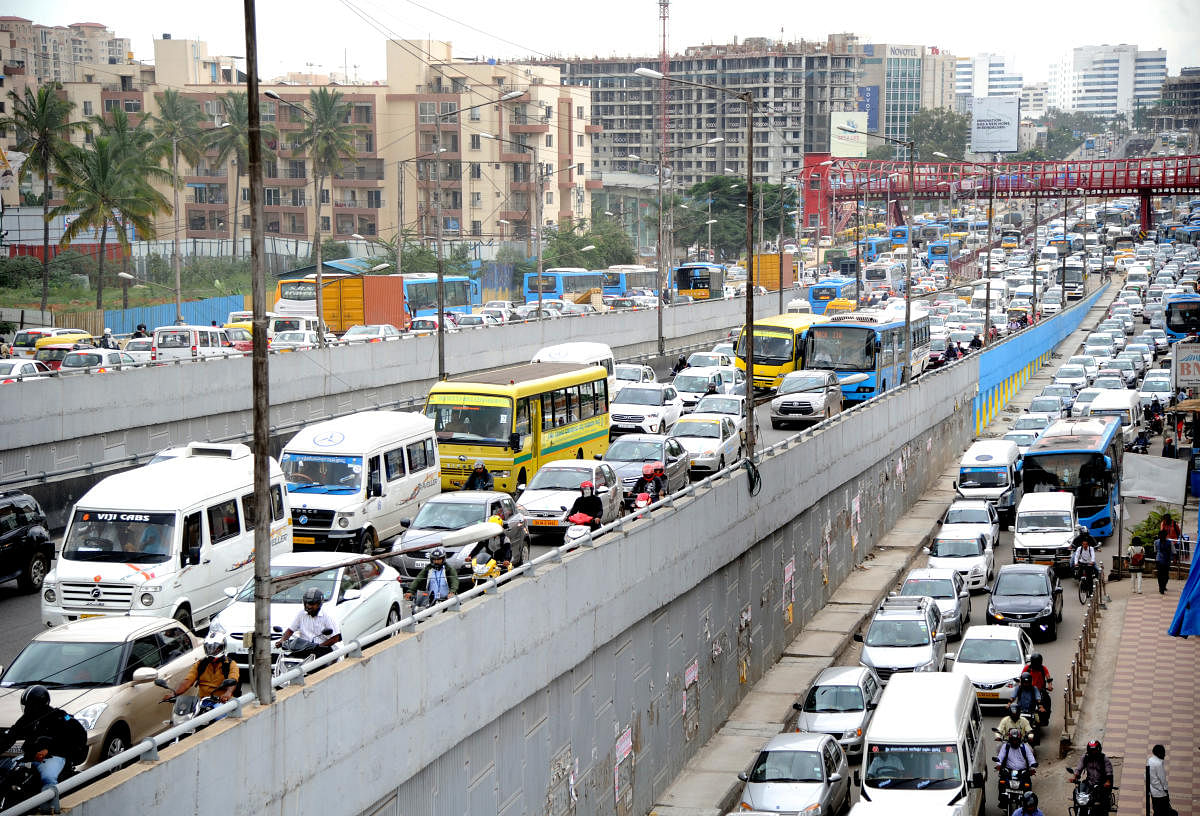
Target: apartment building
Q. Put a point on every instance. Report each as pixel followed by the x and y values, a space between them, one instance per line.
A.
pixel 61 53
pixel 1033 100
pixel 1107 80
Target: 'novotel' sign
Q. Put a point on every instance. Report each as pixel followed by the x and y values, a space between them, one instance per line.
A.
pixel 910 51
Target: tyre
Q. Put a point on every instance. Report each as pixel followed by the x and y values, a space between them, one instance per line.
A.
pixel 662 427
pixel 115 741
pixel 365 543
pixel 393 615
pixel 721 464
pixel 776 424
pixel 184 615
pixel 1084 592
pixel 34 574
pixel 1052 630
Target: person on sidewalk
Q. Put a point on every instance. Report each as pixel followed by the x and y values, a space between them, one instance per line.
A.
pixel 1160 801
pixel 1137 555
pixel 1168 448
pixel 1162 560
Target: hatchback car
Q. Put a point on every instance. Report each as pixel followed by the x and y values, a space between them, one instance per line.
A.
pixel 101 671
pixel 710 359
pixel 1022 439
pixel 967 518
pixel 1090 364
pixel 1028 596
pixel 372 333
pixel 970 557
pixel 992 658
pixel 806 396
pixel 798 773
pixel 711 440
pixel 1110 379
pixel 645 408
pixel 840 703
pixel 627 454
pixel 947 588
pixel 95 360
pixel 1075 376
pixel 1128 371
pixel 26 549
pixel 556 485
pixel 730 405
pixel 443 521
pixel 1154 387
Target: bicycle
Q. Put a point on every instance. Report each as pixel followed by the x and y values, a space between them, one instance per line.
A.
pixel 1087 583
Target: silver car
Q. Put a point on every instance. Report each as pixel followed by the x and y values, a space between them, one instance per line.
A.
pixel 795 772
pixel 841 703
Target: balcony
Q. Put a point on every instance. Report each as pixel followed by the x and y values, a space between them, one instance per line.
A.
pixel 593 128
pixel 358 203
pixel 529 127
pixel 208 172
pixel 594 181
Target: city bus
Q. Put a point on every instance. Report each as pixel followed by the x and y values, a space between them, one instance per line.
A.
pixel 899 236
pixel 823 291
pixel 868 342
pixel 518 418
pixel 942 251
pixel 874 246
pixel 623 279
pixel 1081 456
pixel 931 232
pixel 1181 316
pixel 885 275
pixel 562 283
pixel 777 343
pixel 701 281
pixel 1010 238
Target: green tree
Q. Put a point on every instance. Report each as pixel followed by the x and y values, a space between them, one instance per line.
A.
pixel 327 139
pixel 940 130
pixel 178 129
pixel 42 121
pixel 232 140
pixel 105 186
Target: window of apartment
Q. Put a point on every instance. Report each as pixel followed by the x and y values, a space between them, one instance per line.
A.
pixel 324 195
pixel 112 105
pixel 267 111
pixel 87 108
pixel 448 111
pixel 245 222
pixel 245 194
pixel 476 141
pixel 474 114
pixel 579 168
pixel 458 85
pixel 271 196
pixel 88 136
pixel 579 111
pixel 270 168
pixel 297 197
pixel 476 199
pixel 295 223
pixel 426 112
pixel 325 223
pixel 549 196
pixel 133 105
pixel 477 228
pixel 295 168
pixel 579 140
pixel 549 140
pixel 476 170
pixel 374 199
pixel 362 114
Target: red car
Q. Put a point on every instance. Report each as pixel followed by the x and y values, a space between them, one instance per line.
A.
pixel 52 354
pixel 238 338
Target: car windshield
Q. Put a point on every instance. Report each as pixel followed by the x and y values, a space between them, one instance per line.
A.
pixel 897 633
pixel 703 358
pixel 82 359
pixel 913 767
pixel 361 331
pixel 1021 583
pixel 982 650
pixel 1051 405
pixel 770 348
pixel 1071 372
pixel 318 473
pixel 933 587
pixel 325 581
pixel 719 405
pixel 805 382
pixel 833 699
pixel 560 478
pixel 1043 522
pixel 705 428
pixel 447 515
pixel 120 537
pixel 1030 423
pixel 982 477
pixel 291 337
pixel 956 548
pixel 1157 386
pixel 690 383
pixel 628 372
pixel 639 396
pixel 56 664
pixel 634 450
pixel 787 766
pixel 960 514
pixel 1109 383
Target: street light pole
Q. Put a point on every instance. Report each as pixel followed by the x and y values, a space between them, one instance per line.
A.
pixel 175 254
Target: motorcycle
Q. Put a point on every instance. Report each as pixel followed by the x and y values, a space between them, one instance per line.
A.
pixel 187 707
pixel 1010 786
pixel 581 527
pixel 19 780
pixel 295 652
pixel 1087 801
pixel 484 566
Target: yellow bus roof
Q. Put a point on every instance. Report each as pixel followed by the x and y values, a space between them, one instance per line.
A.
pixel 796 321
pixel 520 380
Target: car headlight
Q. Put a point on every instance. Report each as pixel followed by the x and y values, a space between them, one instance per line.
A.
pixel 48 594
pixel 977 569
pixel 90 715
pixel 854 734
pixel 1049 610
pixel 147 599
pixel 343 522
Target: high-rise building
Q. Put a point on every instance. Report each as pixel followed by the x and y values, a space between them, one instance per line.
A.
pixel 62 53
pixel 1180 105
pixel 984 75
pixel 1033 100
pixel 897 81
pixel 1106 80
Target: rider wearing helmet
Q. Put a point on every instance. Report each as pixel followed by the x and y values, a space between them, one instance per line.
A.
pixel 1099 773
pixel 1015 719
pixel 1029 805
pixel 52 739
pixel 210 672
pixel 1042 681
pixel 436 580
pixel 1016 754
pixel 480 478
pixel 1030 699
pixel 589 504
pixel 314 625
pixel 647 483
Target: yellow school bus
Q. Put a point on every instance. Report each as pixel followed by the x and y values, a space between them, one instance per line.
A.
pixel 518 418
pixel 776 347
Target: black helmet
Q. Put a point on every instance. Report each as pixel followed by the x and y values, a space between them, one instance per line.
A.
pixel 1029 800
pixel 312 595
pixel 35 698
pixel 1026 677
pixel 1035 660
pixel 1014 710
pixel 1094 747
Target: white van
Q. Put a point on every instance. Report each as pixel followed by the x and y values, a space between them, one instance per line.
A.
pixel 925 750
pixel 592 354
pixel 1048 254
pixel 798 306
pixel 353 479
pixel 1122 403
pixel 1045 529
pixel 187 343
pixel 164 539
pixel 990 470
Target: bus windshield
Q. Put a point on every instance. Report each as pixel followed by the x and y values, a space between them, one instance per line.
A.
pixel 322 473
pixel 1083 474
pixel 842 348
pixel 470 419
pixel 770 348
pixel 120 536
pixel 1183 317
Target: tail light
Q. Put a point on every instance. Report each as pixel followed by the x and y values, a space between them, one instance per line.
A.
pixel 193 351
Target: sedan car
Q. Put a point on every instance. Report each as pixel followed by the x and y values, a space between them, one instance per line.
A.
pixel 95 360
pixel 806 396
pixel 841 703
pixel 139 348
pixel 372 333
pixel 992 658
pixel 626 373
pixel 12 371
pixel 948 591
pixel 1065 393
pixel 1109 379
pixel 1090 364
pixel 1127 368
pixel 101 671
pixel 556 485
pixel 1028 596
pixel 646 408
pixel 968 518
pixel 1161 342
pixel 711 441
pixel 798 773
pixel 478 321
pixel 297 340
pixel 627 454
pixel 709 359
pixel 457 522
pixel 970 557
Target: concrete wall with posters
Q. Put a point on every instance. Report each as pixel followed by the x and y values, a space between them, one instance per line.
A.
pixel 584 689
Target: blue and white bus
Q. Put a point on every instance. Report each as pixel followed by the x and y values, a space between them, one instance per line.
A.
pixel 462 294
pixel 875 245
pixel 623 279
pixel 871 342
pixel 1181 316
pixel 943 251
pixel 1080 456
pixel 828 289
pixel 561 283
pixel 899 236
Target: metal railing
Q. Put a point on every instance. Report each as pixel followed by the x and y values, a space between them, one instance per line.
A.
pixel 1081 664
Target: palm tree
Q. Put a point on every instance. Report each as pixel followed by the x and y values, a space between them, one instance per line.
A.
pixel 42 120
pixel 232 140
pixel 328 139
pixel 178 124
pixel 107 183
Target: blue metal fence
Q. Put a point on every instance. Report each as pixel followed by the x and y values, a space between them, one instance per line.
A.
pixel 195 313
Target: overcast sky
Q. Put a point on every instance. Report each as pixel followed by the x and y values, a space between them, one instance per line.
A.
pixel 330 34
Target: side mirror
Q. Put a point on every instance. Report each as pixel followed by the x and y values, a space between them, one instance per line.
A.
pixel 374 490
pixel 351 595
pixel 743 776
pixel 514 441
pixel 144 675
pixel 951 655
pixel 940 636
pixel 925 550
pixel 858 638
pixel 520 489
pixel 406 523
pixel 598 457
pixel 872 706
pixel 977 780
pixel 601 491
pixel 230 592
pixel 835 777
pixel 797 707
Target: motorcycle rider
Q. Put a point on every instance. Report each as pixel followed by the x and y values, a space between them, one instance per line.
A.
pixel 1016 755
pixel 1029 805
pixel 210 672
pixel 313 625
pixel 1099 771
pixel 1029 700
pixel 1014 719
pixel 480 478
pixel 52 737
pixel 435 578
pixel 1142 443
pixel 1041 678
pixel 647 483
pixel 589 504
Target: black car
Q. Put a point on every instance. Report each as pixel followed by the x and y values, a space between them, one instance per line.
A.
pixel 25 546
pixel 1028 596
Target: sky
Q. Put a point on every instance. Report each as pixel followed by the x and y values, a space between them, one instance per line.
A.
pixel 349 35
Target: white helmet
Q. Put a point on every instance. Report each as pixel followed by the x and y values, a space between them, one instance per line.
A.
pixel 107 330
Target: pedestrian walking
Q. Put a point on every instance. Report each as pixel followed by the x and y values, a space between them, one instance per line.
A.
pixel 1162 560
pixel 1168 448
pixel 1160 801
pixel 1137 555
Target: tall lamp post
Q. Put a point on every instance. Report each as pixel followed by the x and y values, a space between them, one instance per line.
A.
pixel 748 98
pixel 908 241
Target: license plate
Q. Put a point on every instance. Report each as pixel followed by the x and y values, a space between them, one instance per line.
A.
pixel 989 694
pixel 544 522
pixel 1045 563
pixel 303 540
pixel 624 425
pixel 1025 624
pixel 91 615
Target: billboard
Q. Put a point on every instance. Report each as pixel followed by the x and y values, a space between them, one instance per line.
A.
pixel 868 102
pixel 995 121
pixel 847 145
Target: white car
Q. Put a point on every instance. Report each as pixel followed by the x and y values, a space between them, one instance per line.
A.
pixel 971 556
pixel 359 597
pixel 808 395
pixel 1146 351
pixel 1050 407
pixel 712 441
pixel 372 333
pixel 1075 376
pixel 297 340
pixel 645 408
pixel 730 405
pixel 992 658
pixel 1155 387
pixel 1022 439
pixel 478 321
pixel 1161 341
pixel 139 349
pixel 16 370
pixel 709 359
pixel 626 373
pixel 1090 364
pixel 693 382
pixel 968 518
pixel 556 485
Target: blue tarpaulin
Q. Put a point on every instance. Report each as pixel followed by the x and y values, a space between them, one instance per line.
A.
pixel 1187 614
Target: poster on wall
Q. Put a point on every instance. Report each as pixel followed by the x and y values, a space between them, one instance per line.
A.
pixel 843 144
pixel 995 121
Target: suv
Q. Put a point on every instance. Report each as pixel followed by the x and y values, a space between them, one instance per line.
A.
pixel 904 636
pixel 25 546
